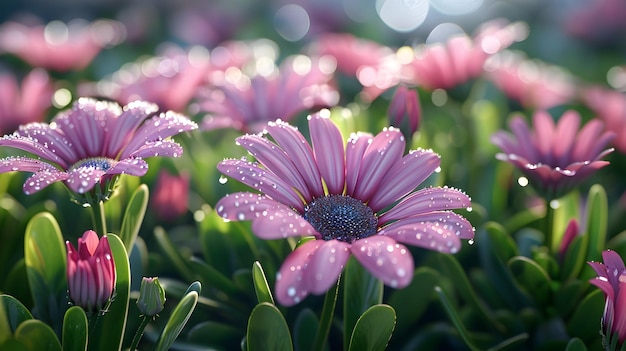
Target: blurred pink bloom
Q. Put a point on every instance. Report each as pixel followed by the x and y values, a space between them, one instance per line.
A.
pixel 247 102
pixel 405 109
pixel 26 103
pixel 90 272
pixel 171 195
pixel 92 143
pixel 610 106
pixel 534 84
pixel 598 21
pixel 59 46
pixel 611 280
pixel 568 237
pixel 460 58
pixel 355 198
pixel 554 157
pixel 375 66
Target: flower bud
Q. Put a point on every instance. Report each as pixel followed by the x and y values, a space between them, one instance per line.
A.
pixel 90 271
pixel 151 297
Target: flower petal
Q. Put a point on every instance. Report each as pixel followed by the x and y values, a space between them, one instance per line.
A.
pixel 166 148
pixel 290 139
pixel 328 147
pixel 281 222
pixel 404 177
pixel 291 287
pixel 355 149
pixel 31 145
pixel 266 182
pixel 325 265
pixel 42 179
pixel 385 259
pixel 83 179
pixel 133 166
pixel 427 200
pixel 123 127
pixel 385 150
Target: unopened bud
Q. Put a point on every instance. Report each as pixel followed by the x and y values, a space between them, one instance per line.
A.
pixel 151 297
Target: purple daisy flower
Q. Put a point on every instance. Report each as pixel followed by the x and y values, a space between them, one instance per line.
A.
pixel 356 198
pixel 92 143
pixel 554 157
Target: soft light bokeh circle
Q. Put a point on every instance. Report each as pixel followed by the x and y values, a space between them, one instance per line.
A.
pixel 402 15
pixel 292 22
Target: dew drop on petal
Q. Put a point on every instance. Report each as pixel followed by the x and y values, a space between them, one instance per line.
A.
pixel 223 179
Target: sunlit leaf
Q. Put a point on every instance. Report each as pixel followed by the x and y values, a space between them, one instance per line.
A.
pixel 267 329
pixel 373 329
pixel 75 330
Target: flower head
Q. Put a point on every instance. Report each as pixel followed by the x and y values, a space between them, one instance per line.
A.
pixel 356 198
pixel 460 58
pixel 248 101
pixel 90 271
pixel 92 143
pixel 26 103
pixel 611 280
pixel 554 157
pixel 151 297
pixel 57 45
pixel 610 106
pixel 405 109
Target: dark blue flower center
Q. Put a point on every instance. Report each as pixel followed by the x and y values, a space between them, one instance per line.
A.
pixel 341 217
pixel 101 163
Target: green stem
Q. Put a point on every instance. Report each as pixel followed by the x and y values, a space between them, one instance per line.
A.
pixel 139 333
pixel 328 309
pixel 98 217
pixel 548 227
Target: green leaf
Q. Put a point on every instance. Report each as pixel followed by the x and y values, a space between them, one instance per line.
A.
pixel 211 333
pixel 5 325
pixel 210 276
pixel 597 218
pixel 111 326
pixel 133 217
pixel 305 329
pixel 261 288
pixel 575 257
pixel 267 329
pixel 179 317
pixel 585 321
pixel 361 291
pixel 373 329
pixel 15 312
pixel 456 319
pixel 45 257
pixel 37 336
pixel 532 278
pixel 455 273
pixel 575 344
pixel 419 292
pixel 173 254
pixel 75 330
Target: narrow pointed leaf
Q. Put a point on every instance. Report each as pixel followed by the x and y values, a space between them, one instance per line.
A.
pixel 173 254
pixel 133 217
pixel 585 321
pixel 373 329
pixel 420 292
pixel 304 330
pixel 75 330
pixel 456 319
pixel 111 326
pixel 597 218
pixel 179 317
pixel 267 329
pixel 532 278
pixel 261 288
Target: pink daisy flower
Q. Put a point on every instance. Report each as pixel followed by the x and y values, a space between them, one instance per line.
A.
pixel 355 198
pixel 611 280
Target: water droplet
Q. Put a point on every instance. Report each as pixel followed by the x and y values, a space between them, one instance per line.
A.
pixel 223 179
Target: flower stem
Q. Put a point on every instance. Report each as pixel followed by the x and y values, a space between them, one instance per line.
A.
pixel 548 226
pixel 139 333
pixel 328 309
pixel 98 217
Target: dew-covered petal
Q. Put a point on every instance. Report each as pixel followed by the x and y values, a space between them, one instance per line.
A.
pixel 591 141
pixel 277 160
pixel 328 147
pixel 244 206
pixel 157 128
pixel 32 146
pixel 52 138
pixel 355 149
pixel 124 127
pixel 382 154
pixel 42 179
pixel 386 259
pixel 83 179
pixel 439 231
pixel 300 152
pixel 291 287
pixel 281 222
pixel 325 265
pixel 266 182
pixel 133 166
pixel 165 148
pixel 427 200
pixel 23 164
pixel 404 177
